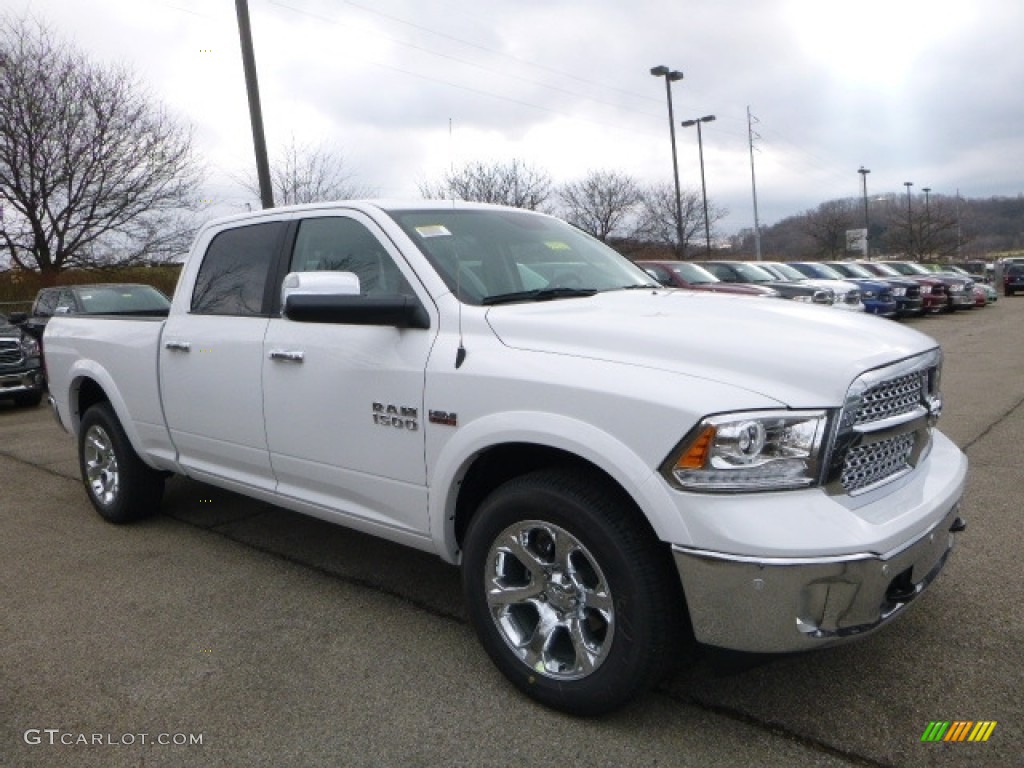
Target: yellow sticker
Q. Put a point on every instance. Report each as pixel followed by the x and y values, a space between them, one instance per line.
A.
pixel 557 245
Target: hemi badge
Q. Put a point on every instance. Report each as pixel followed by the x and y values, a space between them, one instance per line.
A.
pixel 443 417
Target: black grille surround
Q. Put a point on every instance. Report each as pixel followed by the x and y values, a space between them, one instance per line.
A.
pixel 884 429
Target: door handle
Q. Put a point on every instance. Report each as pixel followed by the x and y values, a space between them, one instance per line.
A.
pixel 287 355
pixel 179 346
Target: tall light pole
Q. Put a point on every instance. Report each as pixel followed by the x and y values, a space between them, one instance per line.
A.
pixel 703 186
pixel 926 236
pixel 910 221
pixel 864 184
pixel 672 75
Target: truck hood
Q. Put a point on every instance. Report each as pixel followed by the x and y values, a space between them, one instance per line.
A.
pixel 800 355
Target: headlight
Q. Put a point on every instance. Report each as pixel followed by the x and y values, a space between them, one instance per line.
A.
pixel 869 294
pixel 899 291
pixel 756 451
pixel 29 346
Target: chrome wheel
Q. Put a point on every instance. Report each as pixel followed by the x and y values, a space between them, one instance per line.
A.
pixel 549 600
pixel 100 462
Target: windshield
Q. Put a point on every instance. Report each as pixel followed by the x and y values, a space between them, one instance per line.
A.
pixel 487 256
pixel 752 274
pixel 787 272
pixel 884 269
pixel 907 268
pixel 852 270
pixel 694 274
pixel 822 271
pixel 121 299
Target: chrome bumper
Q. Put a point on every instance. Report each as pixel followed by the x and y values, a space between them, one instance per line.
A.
pixel 17 383
pixel 777 605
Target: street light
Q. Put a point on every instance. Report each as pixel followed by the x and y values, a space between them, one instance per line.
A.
pixel 864 182
pixel 671 75
pixel 703 186
pixel 926 238
pixel 910 221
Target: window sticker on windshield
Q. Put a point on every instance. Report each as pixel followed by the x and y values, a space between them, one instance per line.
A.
pixel 433 230
pixel 557 245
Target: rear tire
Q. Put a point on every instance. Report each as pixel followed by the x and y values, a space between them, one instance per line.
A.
pixel 571 593
pixel 120 485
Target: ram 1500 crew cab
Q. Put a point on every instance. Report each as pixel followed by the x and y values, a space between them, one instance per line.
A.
pixel 620 470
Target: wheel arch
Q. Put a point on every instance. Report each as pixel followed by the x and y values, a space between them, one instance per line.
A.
pixel 480 459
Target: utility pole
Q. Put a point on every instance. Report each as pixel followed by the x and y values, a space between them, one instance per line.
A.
pixel 864 179
pixel 252 89
pixel 751 135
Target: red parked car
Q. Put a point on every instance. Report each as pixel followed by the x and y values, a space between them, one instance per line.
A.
pixel 683 274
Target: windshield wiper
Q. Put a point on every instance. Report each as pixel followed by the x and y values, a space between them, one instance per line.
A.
pixel 539 294
pixel 639 286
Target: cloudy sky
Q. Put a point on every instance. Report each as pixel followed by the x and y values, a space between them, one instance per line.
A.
pixel 927 91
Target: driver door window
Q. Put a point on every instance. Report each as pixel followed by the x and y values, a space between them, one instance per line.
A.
pixel 345 245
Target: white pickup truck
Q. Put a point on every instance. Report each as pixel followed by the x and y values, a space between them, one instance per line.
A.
pixel 621 470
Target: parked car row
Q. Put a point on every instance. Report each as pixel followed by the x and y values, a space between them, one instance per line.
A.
pixel 886 288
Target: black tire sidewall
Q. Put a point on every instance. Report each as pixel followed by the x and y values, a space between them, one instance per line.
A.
pixel 139 487
pixel 637 656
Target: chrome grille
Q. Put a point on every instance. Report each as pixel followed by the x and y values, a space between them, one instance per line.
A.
pixel 10 352
pixel 885 426
pixel 873 463
pixel 892 398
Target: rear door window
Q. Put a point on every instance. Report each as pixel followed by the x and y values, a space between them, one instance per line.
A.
pixel 233 277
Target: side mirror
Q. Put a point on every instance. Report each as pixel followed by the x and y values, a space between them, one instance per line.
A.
pixel 334 297
pixel 18 318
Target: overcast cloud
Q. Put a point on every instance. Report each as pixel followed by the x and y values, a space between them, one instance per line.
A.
pixel 926 91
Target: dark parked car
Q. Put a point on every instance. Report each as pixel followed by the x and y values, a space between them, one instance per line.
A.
pixel 1013 279
pixel 747 272
pixel 685 274
pixel 21 369
pixel 98 299
pixel 905 290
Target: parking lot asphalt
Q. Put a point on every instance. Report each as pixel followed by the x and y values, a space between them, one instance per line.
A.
pixel 243 634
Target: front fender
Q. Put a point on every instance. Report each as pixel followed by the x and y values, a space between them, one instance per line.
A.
pixel 553 430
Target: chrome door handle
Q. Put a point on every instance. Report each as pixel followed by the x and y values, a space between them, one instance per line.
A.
pixel 180 346
pixel 287 355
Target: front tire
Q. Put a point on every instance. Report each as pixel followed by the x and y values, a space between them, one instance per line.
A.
pixel 120 485
pixel 571 593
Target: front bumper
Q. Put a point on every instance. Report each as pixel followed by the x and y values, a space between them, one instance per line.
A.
pixel 777 605
pixel 962 300
pixel 882 308
pixel 22 382
pixel 792 571
pixel 910 306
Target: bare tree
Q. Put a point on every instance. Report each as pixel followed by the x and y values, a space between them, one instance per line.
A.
pixel 514 183
pixel 826 226
pixel 657 220
pixel 307 173
pixel 92 171
pixel 601 202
